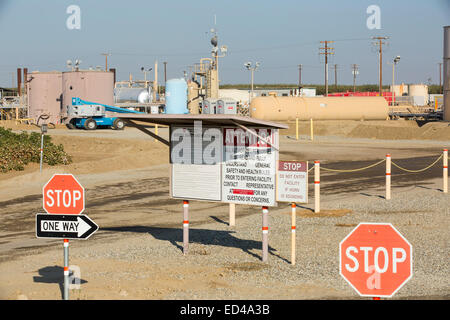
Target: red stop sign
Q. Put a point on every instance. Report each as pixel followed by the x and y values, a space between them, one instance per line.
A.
pixel 375 259
pixel 63 194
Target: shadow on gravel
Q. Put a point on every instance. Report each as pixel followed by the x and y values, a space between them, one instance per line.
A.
pixel 54 274
pixel 200 236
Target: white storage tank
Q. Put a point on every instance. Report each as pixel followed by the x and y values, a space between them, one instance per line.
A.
pixel 45 95
pixel 88 85
pixel 420 91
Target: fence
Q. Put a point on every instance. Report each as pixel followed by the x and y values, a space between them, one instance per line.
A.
pixel 389 164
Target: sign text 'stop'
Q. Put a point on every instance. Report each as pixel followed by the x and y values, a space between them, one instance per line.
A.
pixel 63 194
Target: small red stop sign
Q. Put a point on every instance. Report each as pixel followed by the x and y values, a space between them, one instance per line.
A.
pixel 63 194
pixel 375 259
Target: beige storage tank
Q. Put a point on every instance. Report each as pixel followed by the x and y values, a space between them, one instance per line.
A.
pixel 319 108
pixel 88 85
pixel 44 95
pixel 419 90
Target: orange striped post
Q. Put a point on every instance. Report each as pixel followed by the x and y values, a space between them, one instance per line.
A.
pixel 185 226
pixel 388 176
pixel 293 216
pixel 66 269
pixel 265 233
pixel 445 171
pixel 316 186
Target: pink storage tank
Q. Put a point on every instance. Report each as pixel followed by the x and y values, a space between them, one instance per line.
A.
pixel 44 95
pixel 89 85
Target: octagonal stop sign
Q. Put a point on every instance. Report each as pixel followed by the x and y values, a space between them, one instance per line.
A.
pixel 375 259
pixel 63 194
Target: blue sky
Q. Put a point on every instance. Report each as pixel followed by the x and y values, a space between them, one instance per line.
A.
pixel 279 34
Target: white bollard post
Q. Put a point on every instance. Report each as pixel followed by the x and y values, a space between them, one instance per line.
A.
pixel 316 186
pixel 185 226
pixel 232 214
pixel 445 172
pixel 293 217
pixel 388 176
pixel 265 233
pixel 66 269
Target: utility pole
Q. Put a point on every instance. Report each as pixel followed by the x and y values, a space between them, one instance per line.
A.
pixel 335 76
pixel 106 60
pixel 440 77
pixel 326 51
pixel 380 54
pixel 355 72
pixel 165 73
pixel 299 75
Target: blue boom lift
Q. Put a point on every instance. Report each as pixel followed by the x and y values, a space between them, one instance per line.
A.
pixel 90 115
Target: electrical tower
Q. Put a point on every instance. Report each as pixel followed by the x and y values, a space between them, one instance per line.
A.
pixel 380 43
pixel 326 50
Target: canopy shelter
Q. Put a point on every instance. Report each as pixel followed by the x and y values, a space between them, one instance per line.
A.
pixel 201 179
pixel 188 119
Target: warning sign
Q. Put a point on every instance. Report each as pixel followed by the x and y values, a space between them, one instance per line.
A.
pixel 248 168
pixel 292 181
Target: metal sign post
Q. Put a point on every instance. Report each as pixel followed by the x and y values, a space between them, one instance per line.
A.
pixel 43 132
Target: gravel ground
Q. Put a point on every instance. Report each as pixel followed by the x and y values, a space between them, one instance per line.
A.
pixel 225 263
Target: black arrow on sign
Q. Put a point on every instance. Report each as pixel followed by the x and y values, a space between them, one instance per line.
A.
pixel 64 226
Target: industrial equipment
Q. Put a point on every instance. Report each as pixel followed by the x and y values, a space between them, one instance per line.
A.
pixel 90 115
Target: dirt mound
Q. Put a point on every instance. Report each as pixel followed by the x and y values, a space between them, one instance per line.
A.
pixel 386 130
pixel 429 131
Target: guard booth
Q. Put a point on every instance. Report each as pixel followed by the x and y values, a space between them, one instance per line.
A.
pixel 219 158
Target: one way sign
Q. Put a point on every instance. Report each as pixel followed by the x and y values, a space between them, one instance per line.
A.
pixel 65 226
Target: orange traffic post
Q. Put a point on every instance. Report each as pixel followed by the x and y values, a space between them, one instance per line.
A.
pixel 388 176
pixel 293 216
pixel 316 186
pixel 445 172
pixel 185 226
pixel 265 233
pixel 66 269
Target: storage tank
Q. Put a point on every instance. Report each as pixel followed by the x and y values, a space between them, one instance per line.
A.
pixel 136 95
pixel 176 96
pixel 45 95
pixel 419 90
pixel 89 85
pixel 319 108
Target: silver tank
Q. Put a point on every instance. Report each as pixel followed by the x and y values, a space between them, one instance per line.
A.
pixel 124 94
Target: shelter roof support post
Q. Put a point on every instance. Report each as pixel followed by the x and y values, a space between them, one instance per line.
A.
pixel 144 130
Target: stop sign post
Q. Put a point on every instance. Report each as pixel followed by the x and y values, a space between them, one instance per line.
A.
pixel 63 194
pixel 375 259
